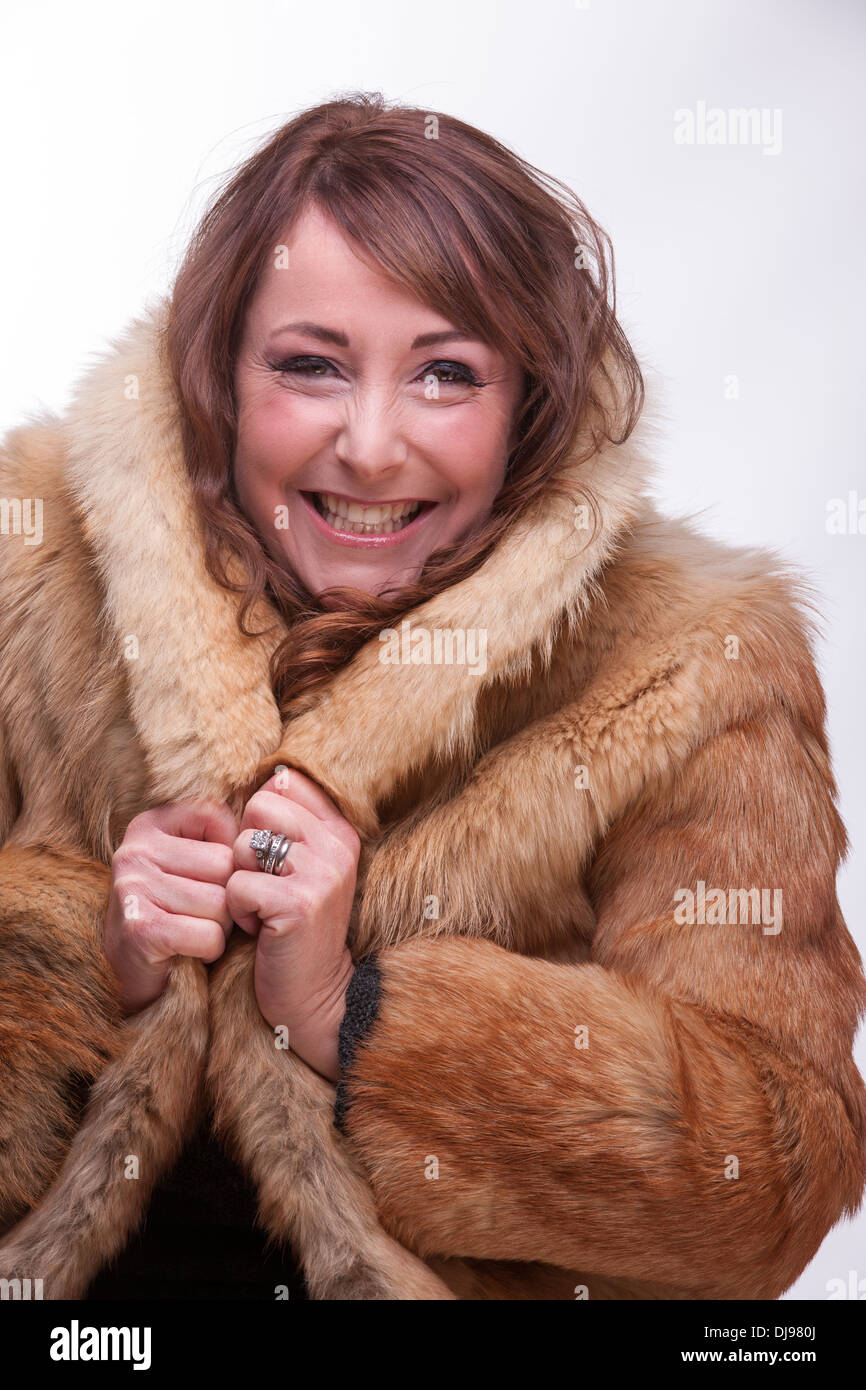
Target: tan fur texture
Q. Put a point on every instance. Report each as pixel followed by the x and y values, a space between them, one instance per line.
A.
pixel 125 683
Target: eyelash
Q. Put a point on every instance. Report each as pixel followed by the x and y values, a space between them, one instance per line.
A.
pixel 295 365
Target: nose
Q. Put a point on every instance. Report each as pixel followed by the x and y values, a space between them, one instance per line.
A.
pixel 370 441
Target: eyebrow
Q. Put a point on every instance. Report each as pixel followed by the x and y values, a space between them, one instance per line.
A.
pixel 330 335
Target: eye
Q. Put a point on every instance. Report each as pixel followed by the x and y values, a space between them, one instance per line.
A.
pixel 302 366
pixel 459 372
pixel 454 373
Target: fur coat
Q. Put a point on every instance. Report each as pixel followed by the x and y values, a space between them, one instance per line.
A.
pixel 599 1040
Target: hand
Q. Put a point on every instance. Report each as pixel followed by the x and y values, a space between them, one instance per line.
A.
pixel 301 915
pixel 168 894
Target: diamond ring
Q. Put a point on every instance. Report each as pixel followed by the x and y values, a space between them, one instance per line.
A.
pixel 271 849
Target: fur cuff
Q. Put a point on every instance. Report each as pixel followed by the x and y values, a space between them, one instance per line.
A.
pixel 362 1008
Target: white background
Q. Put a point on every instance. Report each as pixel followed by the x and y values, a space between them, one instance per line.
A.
pixel 118 120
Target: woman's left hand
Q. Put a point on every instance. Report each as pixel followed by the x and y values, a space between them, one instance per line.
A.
pixel 301 915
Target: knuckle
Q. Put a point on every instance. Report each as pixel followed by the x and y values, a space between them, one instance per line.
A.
pixel 344 860
pixel 128 884
pixel 146 821
pixel 352 843
pixel 225 856
pixel 254 807
pixel 154 933
pixel 232 895
pixel 131 856
pixel 214 943
pixel 354 840
pixel 143 818
pixel 212 902
pixel 133 897
pixel 240 851
pixel 220 909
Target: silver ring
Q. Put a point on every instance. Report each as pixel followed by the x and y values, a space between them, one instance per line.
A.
pixel 271 849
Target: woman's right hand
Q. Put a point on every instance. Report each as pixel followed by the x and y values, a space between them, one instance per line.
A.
pixel 168 894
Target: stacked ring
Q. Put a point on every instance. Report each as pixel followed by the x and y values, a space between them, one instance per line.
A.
pixel 271 849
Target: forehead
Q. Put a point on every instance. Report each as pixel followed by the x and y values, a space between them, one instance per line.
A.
pixel 317 268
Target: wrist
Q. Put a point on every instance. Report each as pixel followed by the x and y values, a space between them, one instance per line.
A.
pixel 135 1000
pixel 138 988
pixel 316 1042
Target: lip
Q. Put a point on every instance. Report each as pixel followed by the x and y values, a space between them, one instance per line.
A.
pixel 347 538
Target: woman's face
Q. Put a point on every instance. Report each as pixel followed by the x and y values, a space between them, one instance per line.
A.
pixel 370 430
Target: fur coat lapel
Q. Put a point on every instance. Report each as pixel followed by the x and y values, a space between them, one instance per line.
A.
pixel 200 693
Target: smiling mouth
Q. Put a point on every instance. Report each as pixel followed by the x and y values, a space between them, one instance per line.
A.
pixel 381 519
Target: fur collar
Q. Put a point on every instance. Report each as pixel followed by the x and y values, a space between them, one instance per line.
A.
pixel 199 691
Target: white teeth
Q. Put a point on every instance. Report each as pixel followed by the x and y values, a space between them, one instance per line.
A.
pixel 356 511
pixel 362 521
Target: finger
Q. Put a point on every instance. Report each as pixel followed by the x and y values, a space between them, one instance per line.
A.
pixel 245 856
pixel 206 861
pixel 268 896
pixel 245 860
pixel 307 793
pixel 248 922
pixel 190 898
pixel 202 819
pixel 174 935
pixel 300 858
pixel 270 811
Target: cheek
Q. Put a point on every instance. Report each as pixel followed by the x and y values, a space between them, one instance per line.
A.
pixel 273 442
pixel 471 451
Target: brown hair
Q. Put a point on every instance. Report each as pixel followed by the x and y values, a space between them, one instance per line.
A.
pixel 477 233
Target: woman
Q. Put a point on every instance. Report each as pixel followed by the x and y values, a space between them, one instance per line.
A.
pixel 354 628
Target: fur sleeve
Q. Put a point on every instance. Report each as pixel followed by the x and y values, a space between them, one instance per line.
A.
pixel 683 1108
